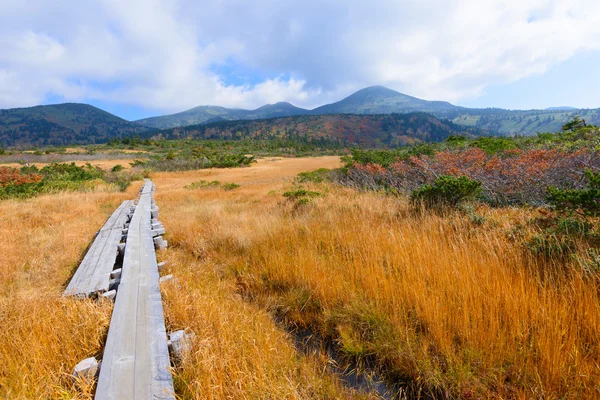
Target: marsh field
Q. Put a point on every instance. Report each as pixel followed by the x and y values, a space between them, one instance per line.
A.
pixel 435 305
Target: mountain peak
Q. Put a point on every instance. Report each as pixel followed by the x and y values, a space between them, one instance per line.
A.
pixel 370 100
pixel 378 89
pixel 381 100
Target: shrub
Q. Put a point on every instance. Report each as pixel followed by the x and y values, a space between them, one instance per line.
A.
pixel 172 162
pixel 30 181
pixel 318 176
pixel 551 246
pixel 380 157
pixel 297 193
pixel 230 186
pixel 584 201
pixel 512 177
pixel 446 191
pixel 69 172
pixel 11 176
pixel 203 185
pixel 117 168
pixel 494 145
pixel 562 238
pixel 122 179
pixel 301 196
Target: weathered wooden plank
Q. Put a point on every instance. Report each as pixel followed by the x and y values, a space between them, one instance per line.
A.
pixel 119 217
pixel 136 356
pixel 93 272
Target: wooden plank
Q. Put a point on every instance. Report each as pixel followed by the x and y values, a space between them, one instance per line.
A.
pixel 119 217
pixel 136 357
pixel 92 275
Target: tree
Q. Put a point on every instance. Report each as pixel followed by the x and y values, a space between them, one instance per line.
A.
pixel 575 123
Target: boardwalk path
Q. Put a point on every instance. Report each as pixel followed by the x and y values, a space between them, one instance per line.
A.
pixel 136 357
pixel 93 275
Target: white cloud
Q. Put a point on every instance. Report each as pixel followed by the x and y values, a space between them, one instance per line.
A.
pixel 161 54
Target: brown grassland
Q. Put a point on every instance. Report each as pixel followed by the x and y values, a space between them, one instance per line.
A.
pixel 449 307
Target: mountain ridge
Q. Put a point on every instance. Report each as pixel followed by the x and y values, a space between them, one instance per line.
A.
pixel 375 100
pixel 76 123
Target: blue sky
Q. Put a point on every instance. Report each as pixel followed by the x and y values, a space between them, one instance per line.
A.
pixel 137 58
pixel 573 83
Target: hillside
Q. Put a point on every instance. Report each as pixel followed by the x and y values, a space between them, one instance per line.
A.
pixel 208 114
pixel 62 124
pixel 519 122
pixel 364 130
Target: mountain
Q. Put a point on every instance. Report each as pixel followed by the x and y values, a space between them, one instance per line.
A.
pixel 71 123
pixel 388 130
pixel 281 109
pixel 371 100
pixel 204 114
pixel 62 124
pixel 381 100
pixel 196 115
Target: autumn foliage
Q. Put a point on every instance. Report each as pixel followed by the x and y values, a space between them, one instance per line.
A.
pixel 514 176
pixel 11 176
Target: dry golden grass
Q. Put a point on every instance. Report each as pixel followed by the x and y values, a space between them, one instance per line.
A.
pixel 455 307
pixel 446 304
pixel 44 336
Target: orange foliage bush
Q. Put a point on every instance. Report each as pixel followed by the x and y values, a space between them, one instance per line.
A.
pixel 12 176
pixel 512 177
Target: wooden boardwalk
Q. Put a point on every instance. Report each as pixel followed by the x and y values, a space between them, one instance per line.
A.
pixel 136 356
pixel 93 274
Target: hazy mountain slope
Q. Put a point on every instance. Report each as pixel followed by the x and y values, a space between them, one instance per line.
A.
pixel 202 114
pixel 196 115
pixel 62 124
pixel 365 130
pixel 381 100
pixel 517 122
pixel 281 109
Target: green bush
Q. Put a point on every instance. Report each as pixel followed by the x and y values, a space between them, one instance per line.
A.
pixel 117 168
pixel 67 172
pixel 297 193
pixel 173 162
pixel 230 186
pixel 446 191
pixel 494 145
pixel 381 157
pixel 302 196
pixel 203 185
pixel 318 176
pixel 585 202
pixel 551 246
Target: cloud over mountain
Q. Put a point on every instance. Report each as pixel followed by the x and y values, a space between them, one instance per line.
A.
pixel 169 55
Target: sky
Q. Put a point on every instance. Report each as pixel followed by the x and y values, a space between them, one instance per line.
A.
pixel 139 58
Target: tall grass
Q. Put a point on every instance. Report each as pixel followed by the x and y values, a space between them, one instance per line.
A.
pixel 441 304
pixel 43 335
pixel 455 308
